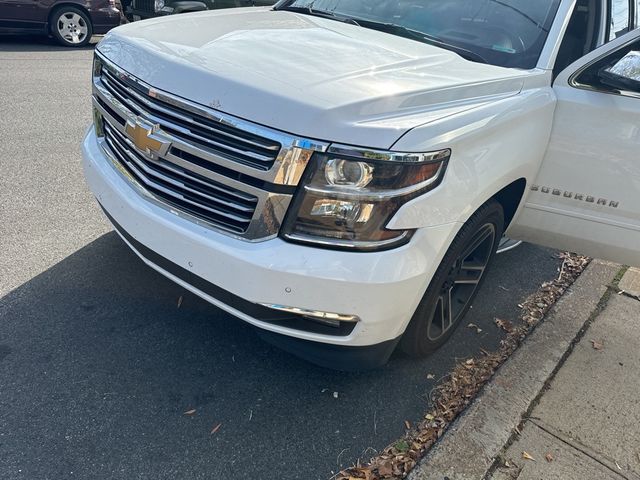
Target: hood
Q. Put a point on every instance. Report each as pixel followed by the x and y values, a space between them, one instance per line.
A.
pixel 305 75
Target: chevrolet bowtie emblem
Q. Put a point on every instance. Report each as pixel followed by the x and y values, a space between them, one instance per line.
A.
pixel 147 137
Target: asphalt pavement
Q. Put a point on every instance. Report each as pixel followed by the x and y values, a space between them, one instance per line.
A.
pixel 98 364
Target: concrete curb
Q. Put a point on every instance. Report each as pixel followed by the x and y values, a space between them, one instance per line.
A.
pixel 479 435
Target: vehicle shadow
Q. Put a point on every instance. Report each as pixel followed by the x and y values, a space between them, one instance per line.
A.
pixel 38 43
pixel 100 358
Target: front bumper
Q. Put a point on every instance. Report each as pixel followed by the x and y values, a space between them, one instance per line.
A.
pixel 382 289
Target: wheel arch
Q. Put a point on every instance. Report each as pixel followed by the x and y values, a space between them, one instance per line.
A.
pixel 510 198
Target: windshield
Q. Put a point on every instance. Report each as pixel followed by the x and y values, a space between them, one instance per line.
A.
pixel 509 33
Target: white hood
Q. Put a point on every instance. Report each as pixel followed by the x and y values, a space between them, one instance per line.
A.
pixel 306 75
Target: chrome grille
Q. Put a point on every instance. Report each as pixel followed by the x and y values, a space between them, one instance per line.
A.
pixel 217 170
pixel 229 209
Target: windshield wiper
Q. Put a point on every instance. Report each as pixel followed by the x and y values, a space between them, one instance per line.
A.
pixel 535 22
pixel 421 36
pixel 320 13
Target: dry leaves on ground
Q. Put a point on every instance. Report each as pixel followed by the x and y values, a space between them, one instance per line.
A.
pixel 190 412
pixel 505 325
pixel 597 344
pixel 215 429
pixel 548 457
pixel 527 456
pixel 458 390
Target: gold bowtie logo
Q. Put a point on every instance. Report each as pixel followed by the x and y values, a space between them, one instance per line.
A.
pixel 147 137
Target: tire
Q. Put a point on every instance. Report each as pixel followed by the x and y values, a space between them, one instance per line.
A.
pixel 71 27
pixel 456 282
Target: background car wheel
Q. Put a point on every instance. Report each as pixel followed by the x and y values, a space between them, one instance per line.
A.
pixel 71 27
pixel 455 283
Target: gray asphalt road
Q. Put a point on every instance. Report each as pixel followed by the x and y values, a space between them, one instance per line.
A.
pixel 97 363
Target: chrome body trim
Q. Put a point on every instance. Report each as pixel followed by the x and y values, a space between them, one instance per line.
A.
pixel 337 317
pixel 348 244
pixel 389 156
pixel 507 244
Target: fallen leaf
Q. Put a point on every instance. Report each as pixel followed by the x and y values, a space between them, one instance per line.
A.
pixel 526 456
pixel 407 424
pixel 430 376
pixel 180 301
pixel 335 395
pixel 364 471
pixel 597 344
pixel 190 412
pixel 549 457
pixel 385 469
pixel 618 465
pixel 429 417
pixel 505 325
pixel 215 429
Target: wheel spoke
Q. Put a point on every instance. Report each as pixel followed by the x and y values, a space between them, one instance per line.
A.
pixel 469 275
pixel 446 310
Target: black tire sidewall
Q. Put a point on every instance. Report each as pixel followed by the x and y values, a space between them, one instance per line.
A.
pixel 415 340
pixel 53 27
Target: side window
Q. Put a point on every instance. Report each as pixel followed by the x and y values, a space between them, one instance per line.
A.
pixel 617 73
pixel 637 13
pixel 619 22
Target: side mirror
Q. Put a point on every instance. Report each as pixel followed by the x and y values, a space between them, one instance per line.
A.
pixel 623 75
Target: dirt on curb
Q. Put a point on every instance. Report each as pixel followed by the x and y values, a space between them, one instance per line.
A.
pixel 458 390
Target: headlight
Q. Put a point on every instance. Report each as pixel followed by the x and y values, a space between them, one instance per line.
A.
pixel 158 5
pixel 348 197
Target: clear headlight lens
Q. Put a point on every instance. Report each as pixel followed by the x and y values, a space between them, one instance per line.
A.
pixel 158 5
pixel 346 201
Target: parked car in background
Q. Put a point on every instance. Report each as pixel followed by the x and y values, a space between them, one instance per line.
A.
pixel 141 9
pixel 70 22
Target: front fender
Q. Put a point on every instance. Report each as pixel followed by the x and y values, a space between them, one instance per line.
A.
pixel 492 146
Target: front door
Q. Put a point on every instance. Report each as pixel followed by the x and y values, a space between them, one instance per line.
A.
pixel 586 197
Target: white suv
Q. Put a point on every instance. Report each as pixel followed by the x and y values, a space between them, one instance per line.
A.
pixel 339 173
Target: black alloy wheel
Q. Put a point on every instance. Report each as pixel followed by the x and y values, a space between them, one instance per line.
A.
pixel 456 282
